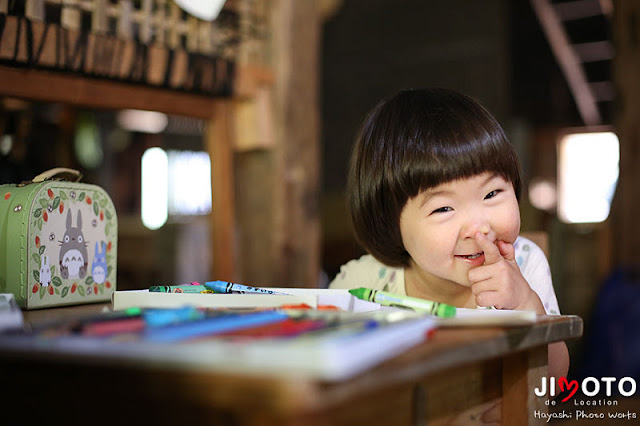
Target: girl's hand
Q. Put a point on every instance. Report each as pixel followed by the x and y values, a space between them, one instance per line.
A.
pixel 499 282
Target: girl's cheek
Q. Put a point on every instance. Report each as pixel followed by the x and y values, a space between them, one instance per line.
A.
pixel 507 229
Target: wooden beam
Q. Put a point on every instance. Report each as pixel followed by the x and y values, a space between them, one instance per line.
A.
pixel 48 86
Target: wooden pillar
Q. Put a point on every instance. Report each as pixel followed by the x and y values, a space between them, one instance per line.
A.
pixel 626 207
pixel 223 226
pixel 296 39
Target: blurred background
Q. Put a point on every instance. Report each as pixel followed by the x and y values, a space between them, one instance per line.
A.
pixel 561 77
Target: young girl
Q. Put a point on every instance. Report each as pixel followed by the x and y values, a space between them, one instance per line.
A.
pixel 433 195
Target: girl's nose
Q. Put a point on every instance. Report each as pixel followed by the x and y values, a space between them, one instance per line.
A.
pixel 478 226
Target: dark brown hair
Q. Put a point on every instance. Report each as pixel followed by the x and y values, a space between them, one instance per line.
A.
pixel 413 141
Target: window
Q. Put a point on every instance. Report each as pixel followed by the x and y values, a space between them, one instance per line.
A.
pixel 174 184
pixel 587 176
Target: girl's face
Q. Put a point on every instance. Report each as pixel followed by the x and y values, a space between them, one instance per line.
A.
pixel 439 225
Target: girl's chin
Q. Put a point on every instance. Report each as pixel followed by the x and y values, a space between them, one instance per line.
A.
pixel 464 283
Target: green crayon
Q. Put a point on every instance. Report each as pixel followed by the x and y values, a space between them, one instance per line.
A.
pixel 182 288
pixel 391 299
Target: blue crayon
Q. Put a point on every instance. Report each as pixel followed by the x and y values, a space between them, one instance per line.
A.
pixel 160 317
pixel 226 287
pixel 210 326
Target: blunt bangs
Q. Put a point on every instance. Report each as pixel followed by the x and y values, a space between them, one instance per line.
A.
pixel 413 141
pixel 447 158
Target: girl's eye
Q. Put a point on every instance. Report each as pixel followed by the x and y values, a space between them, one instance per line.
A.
pixel 442 210
pixel 492 194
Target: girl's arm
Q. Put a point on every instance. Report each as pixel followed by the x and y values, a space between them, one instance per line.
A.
pixel 558 359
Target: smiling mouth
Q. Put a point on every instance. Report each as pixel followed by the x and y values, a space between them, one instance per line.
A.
pixel 471 256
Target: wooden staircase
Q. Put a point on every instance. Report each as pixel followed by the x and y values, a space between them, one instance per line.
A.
pixel 579 32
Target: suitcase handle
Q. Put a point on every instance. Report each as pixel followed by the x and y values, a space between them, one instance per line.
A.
pixel 60 172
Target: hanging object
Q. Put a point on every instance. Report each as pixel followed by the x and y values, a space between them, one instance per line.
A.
pixel 207 10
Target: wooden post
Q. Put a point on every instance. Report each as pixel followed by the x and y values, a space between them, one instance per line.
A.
pixel 278 171
pixel 223 228
pixel 296 39
pixel 626 207
pixel 521 372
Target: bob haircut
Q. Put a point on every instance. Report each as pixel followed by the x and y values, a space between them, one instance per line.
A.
pixel 413 141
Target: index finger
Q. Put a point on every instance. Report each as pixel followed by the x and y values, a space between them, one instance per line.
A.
pixel 491 251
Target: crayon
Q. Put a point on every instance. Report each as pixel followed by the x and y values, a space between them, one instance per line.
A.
pixel 189 283
pixel 391 299
pixel 126 320
pixel 211 326
pixel 290 327
pixel 226 287
pixel 114 326
pixel 160 317
pixel 182 288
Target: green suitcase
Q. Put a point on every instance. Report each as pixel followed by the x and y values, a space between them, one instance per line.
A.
pixel 58 241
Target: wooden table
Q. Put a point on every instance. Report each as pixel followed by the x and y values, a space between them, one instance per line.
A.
pixel 454 378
